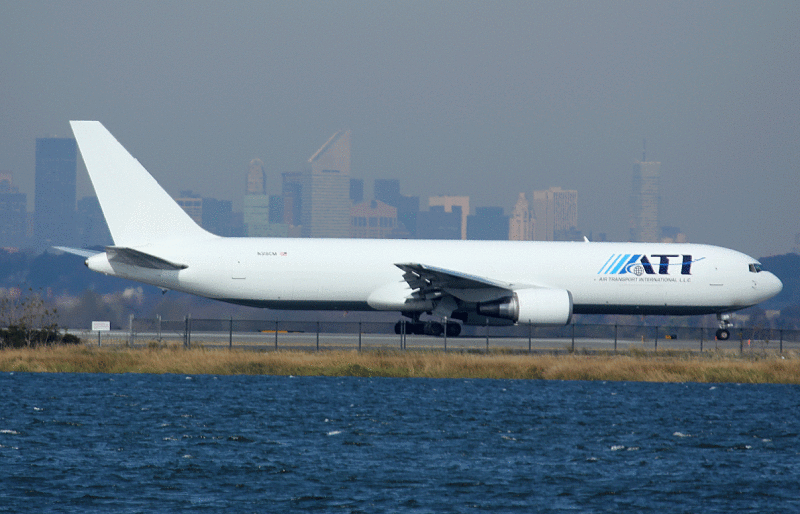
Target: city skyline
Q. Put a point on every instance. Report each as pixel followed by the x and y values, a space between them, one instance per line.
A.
pixel 550 216
pixel 478 99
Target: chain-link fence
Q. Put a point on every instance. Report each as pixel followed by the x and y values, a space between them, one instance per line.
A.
pixel 265 335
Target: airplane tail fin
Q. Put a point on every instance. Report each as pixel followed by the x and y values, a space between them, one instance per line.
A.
pixel 137 209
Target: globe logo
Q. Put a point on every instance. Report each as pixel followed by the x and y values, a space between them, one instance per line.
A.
pixel 638 270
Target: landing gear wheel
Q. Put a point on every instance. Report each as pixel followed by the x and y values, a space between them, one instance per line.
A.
pixel 433 328
pixel 724 320
pixel 453 329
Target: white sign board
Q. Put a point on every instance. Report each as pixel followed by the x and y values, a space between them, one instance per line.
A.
pixel 101 326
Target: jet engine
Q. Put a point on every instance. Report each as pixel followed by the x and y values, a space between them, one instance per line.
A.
pixel 537 306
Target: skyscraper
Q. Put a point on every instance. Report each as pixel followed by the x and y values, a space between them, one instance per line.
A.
pixel 13 212
pixel 55 192
pixel 555 211
pixel 449 202
pixel 388 191
pixel 326 190
pixel 356 190
pixel 192 203
pixel 255 206
pixel 520 227
pixel 256 178
pixel 373 220
pixel 487 224
pixel 644 202
pixel 436 223
pixel 292 193
pixel 92 228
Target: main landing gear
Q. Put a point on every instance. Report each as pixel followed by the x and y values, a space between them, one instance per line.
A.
pixel 724 333
pixel 427 328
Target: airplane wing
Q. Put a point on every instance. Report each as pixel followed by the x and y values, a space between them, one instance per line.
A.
pixel 431 282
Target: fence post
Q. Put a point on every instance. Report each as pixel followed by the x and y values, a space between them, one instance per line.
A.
pixel 230 335
pixel 186 332
pixel 530 336
pixel 781 333
pixel 359 337
pixel 573 337
pixel 702 336
pixel 317 335
pixel 130 329
pixel 656 339
pixel 445 333
pixel 159 328
pixel 615 338
pixel 276 335
pixel 487 334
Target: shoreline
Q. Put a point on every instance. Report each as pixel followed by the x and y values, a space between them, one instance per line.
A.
pixel 632 365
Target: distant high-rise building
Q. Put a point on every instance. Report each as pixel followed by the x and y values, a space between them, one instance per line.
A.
pixel 193 205
pixel 388 191
pixel 449 202
pixel 407 212
pixel 554 210
pixel 520 226
pixel 56 165
pixel 255 210
pixel 326 190
pixel 292 193
pixel 436 223
pixel 373 220
pixel 262 214
pixel 256 178
pixel 356 190
pixel 92 227
pixel 645 202
pixel 217 216
pixel 672 235
pixel 13 212
pixel 487 224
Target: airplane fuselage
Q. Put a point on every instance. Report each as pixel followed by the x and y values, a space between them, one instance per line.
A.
pixel 342 274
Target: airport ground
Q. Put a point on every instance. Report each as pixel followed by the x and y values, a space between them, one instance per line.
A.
pixel 380 336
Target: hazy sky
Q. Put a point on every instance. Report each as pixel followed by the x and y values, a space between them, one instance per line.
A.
pixel 486 99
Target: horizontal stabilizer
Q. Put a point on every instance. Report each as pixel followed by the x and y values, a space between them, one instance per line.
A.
pixel 77 251
pixel 133 257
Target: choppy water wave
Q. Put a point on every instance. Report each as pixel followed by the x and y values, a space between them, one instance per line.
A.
pixel 133 443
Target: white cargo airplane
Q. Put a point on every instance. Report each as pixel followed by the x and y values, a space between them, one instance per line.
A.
pixel 541 283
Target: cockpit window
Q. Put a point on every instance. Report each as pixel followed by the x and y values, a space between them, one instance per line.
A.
pixel 755 268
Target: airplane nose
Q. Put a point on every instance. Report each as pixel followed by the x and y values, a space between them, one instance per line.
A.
pixel 772 284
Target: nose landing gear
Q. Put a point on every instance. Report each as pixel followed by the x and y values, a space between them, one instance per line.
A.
pixel 723 333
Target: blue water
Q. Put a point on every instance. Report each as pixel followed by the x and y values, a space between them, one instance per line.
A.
pixel 143 443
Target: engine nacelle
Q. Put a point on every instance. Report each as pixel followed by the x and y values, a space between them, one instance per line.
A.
pixel 535 306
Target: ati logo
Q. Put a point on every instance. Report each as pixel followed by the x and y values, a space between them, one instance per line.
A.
pixel 638 264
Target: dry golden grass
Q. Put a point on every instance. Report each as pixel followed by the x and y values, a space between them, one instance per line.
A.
pixel 632 365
